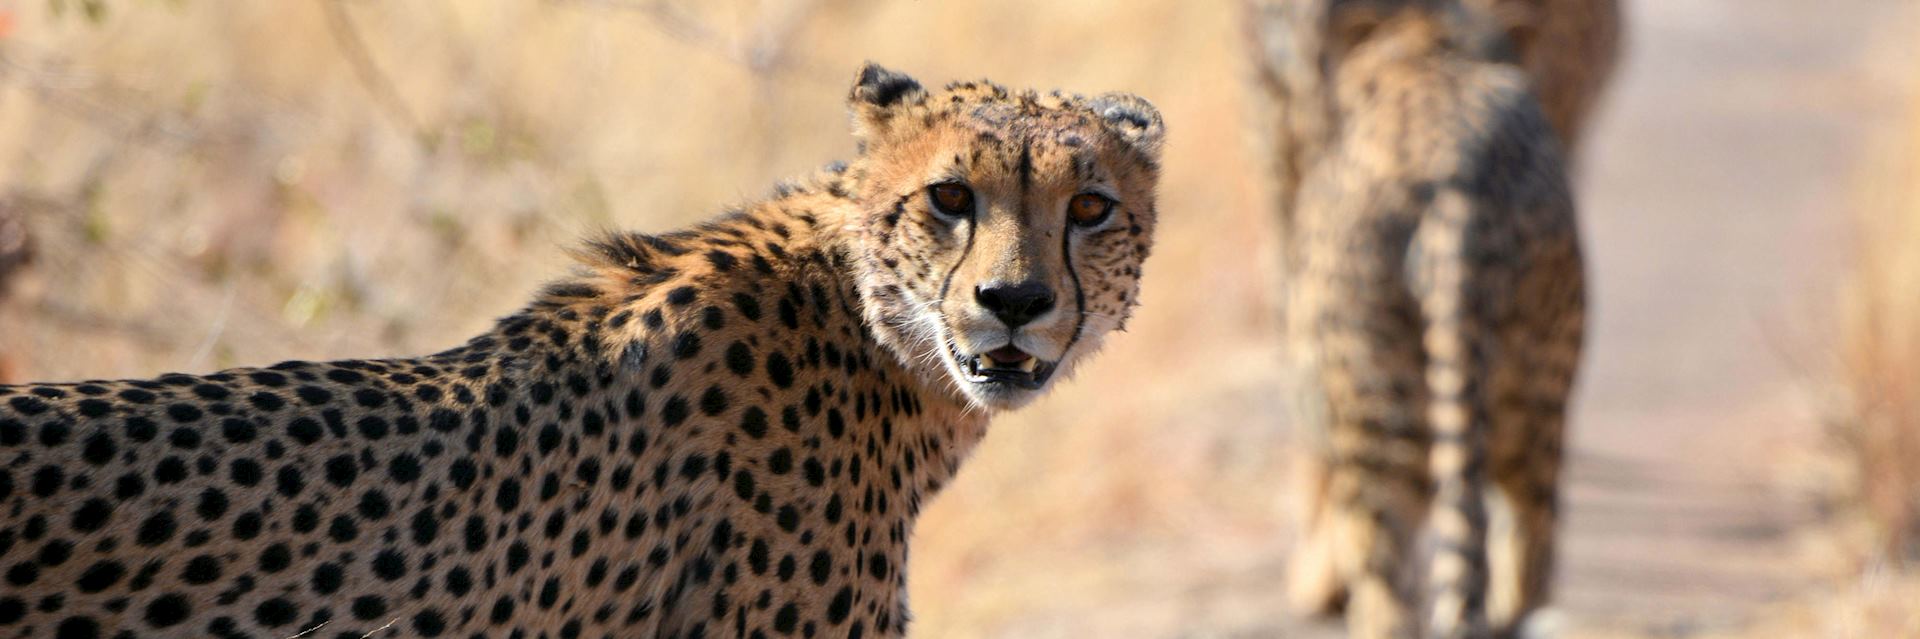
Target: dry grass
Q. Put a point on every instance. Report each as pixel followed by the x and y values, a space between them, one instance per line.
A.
pixel 1879 425
pixel 1872 476
pixel 214 184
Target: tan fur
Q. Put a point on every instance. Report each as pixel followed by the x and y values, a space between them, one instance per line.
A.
pixel 1434 311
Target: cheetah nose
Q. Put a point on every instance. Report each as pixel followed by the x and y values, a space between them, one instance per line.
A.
pixel 1015 304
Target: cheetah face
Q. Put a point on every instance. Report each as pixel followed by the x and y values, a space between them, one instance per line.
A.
pixel 1001 234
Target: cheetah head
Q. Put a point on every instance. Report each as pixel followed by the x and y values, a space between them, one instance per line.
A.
pixel 1000 234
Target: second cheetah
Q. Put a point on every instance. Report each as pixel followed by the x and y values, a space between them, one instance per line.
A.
pixel 1435 315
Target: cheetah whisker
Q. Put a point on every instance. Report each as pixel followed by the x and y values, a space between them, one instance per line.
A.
pixel 377 630
pixel 309 631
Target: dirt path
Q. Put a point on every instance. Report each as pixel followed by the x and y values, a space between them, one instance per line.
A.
pixel 1715 200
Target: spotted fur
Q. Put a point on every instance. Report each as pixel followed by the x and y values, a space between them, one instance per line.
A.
pixel 1434 316
pixel 722 431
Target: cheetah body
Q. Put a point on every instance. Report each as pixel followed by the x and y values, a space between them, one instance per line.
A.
pixel 701 433
pixel 1434 321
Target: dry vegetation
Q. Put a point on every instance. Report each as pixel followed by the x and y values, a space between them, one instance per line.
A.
pixel 214 184
pixel 1870 477
pixel 1880 355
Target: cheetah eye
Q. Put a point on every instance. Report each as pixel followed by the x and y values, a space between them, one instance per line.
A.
pixel 951 198
pixel 1089 209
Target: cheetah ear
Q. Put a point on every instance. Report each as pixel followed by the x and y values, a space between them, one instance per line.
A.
pixel 878 93
pixel 1133 118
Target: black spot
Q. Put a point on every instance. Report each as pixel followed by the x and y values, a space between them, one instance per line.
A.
pixel 28 405
pixel 821 568
pixel 747 306
pixel 425 526
pixel 443 420
pixel 780 370
pixel 681 296
pixel 517 557
pixel 238 431
pixel 476 534
pixel 753 422
pixel 244 472
pixel 92 515
pixel 841 605
pixel 372 427
pixel 507 496
pixel 786 618
pixel 462 473
pixel 93 407
pixel 304 430
pixel 167 610
pixel 693 466
pixel 327 578
pixel 313 395
pixel 23 573
pixel 789 313
pixel 184 438
pixel 686 345
pixel 268 378
pixel 739 359
pixel 429 623
pixel 213 504
pixel 289 481
pixel 743 485
pixel 137 396
pixel 389 565
pixel 368 608
pixel 77 628
pixel 404 468
pixel 374 505
pixel 788 518
pixel 184 413
pixel 246 526
pixel 54 434
pixel 714 401
pixel 816 473
pixel 101 576
pixel 345 376
pixel 266 401
pixel 341 470
pixel 780 461
pixel 275 558
pixel 343 529
pixel 369 398
pixel 200 570
pixel 157 529
pixel 674 411
pixel 169 471
pixel 275 612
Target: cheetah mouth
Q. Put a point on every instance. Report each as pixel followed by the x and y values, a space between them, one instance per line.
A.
pixel 1005 366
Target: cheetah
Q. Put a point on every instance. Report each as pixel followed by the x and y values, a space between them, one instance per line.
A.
pixel 722 431
pixel 1434 315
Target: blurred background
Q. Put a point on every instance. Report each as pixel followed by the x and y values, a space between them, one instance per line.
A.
pixel 188 185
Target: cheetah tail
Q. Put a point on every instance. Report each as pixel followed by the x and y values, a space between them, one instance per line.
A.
pixel 1454 340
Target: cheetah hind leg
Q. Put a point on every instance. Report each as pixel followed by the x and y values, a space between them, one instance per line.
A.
pixel 1314 584
pixel 1522 545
